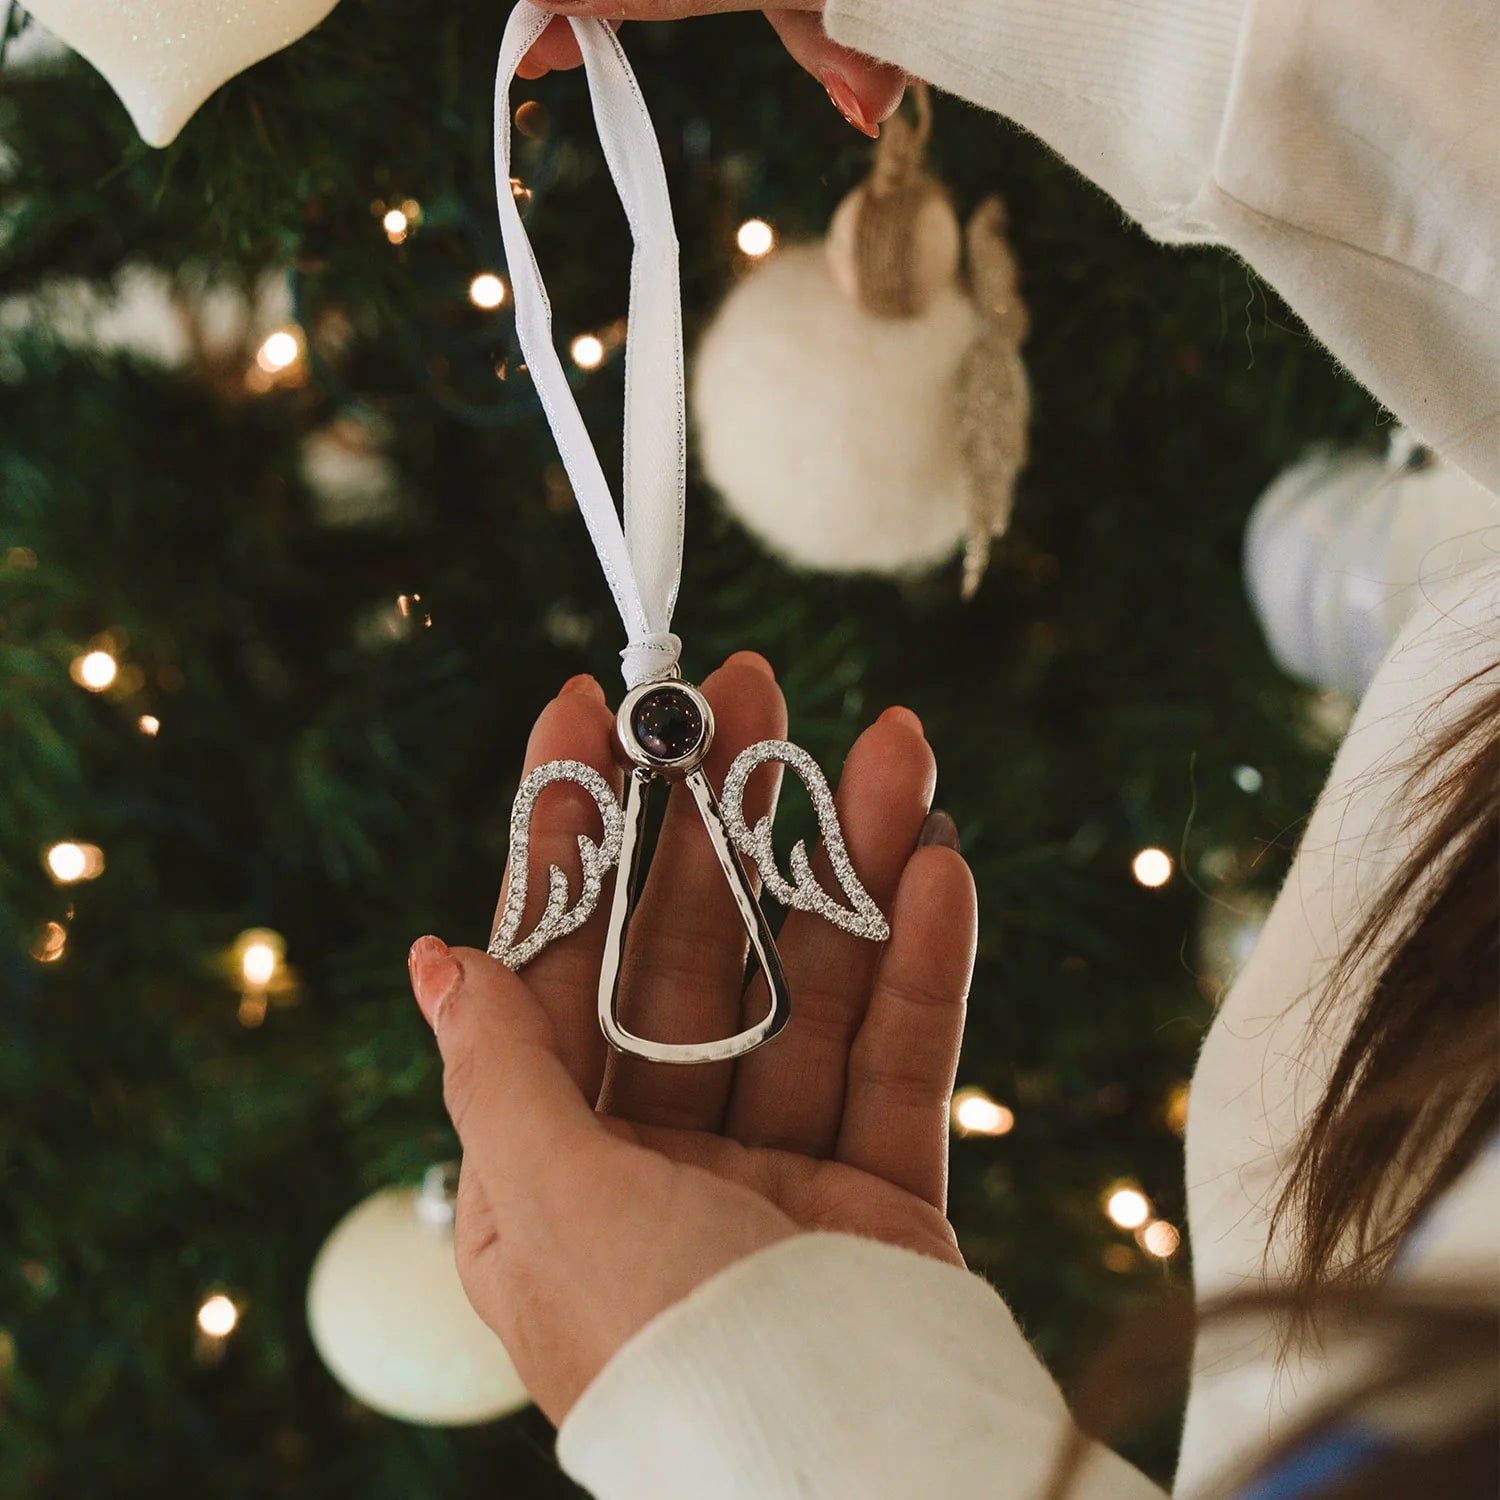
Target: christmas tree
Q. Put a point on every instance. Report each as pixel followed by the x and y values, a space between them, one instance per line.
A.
pixel 287 567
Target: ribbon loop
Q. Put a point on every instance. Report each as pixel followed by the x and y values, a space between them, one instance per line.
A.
pixel 641 558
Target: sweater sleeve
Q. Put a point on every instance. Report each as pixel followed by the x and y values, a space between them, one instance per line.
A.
pixel 829 1366
pixel 1349 150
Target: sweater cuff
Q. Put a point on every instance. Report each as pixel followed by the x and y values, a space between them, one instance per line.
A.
pixel 1133 92
pixel 826 1365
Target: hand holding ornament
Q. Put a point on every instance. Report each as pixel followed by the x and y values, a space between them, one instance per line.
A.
pixel 864 91
pixel 598 1190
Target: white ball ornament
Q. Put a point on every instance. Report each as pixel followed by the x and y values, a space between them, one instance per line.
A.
pixel 833 435
pixel 390 1319
pixel 165 57
pixel 1340 548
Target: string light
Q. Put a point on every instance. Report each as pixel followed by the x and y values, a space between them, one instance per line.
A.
pixel 149 725
pixel 487 290
pixel 975 1113
pixel 258 959
pixel 1160 1239
pixel 218 1316
pixel 1127 1207
pixel 279 351
pixel 400 221
pixel 258 963
pixel 1152 867
pixel 258 954
pixel 94 670
pixel 50 943
pixel 587 352
pixel 70 862
pixel 1248 779
pixel 755 238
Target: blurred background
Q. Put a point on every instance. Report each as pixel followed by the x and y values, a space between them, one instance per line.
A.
pixel 288 566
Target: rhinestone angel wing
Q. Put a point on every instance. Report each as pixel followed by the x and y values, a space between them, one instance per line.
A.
pixel 558 919
pixel 861 916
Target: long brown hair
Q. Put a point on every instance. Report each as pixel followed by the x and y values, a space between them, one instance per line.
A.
pixel 1415 1088
pixel 1412 1099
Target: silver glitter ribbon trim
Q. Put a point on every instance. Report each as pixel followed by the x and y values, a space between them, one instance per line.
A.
pixel 861 917
pixel 559 919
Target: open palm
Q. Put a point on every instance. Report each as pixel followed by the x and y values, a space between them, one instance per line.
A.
pixel 598 1190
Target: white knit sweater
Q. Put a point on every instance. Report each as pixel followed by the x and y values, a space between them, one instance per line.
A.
pixel 1350 151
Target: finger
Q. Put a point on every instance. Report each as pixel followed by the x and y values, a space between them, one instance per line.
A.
pixel 508 1090
pixel 665 10
pixel 904 1057
pixel 791 1093
pixel 683 977
pixel 538 1160
pixel 864 91
pixel 564 976
pixel 556 47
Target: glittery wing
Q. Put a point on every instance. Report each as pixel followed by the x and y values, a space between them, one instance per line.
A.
pixel 558 919
pixel 861 916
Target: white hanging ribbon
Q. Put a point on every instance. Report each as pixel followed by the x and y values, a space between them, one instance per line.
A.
pixel 642 560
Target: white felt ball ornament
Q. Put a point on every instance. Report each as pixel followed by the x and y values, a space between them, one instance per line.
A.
pixel 165 57
pixel 390 1319
pixel 831 434
pixel 1341 547
pixel 859 405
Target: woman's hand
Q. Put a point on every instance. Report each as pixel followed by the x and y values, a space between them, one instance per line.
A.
pixel 864 91
pixel 598 1190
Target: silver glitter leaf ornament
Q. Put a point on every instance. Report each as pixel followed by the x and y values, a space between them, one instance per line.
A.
pixel 861 916
pixel 558 919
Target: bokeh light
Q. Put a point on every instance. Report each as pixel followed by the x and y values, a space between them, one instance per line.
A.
pixel 587 352
pixel 1152 867
pixel 975 1113
pixel 487 290
pixel 755 238
pixel 1127 1207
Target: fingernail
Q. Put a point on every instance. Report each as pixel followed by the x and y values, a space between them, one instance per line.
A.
pixel 939 829
pixel 753 660
pixel 897 715
pixel 846 101
pixel 582 683
pixel 434 976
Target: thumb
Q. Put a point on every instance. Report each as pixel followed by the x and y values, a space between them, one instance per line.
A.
pixel 517 1111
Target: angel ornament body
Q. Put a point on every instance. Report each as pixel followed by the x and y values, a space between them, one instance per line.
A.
pixel 664 730
pixel 665 727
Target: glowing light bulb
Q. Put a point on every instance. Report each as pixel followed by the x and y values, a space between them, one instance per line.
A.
pixel 50 943
pixel 1152 867
pixel 94 670
pixel 258 953
pixel 1160 1239
pixel 69 862
pixel 1127 1207
pixel 755 238
pixel 975 1113
pixel 487 290
pixel 396 225
pixel 218 1316
pixel 278 352
pixel 587 352
pixel 149 724
pixel 258 963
